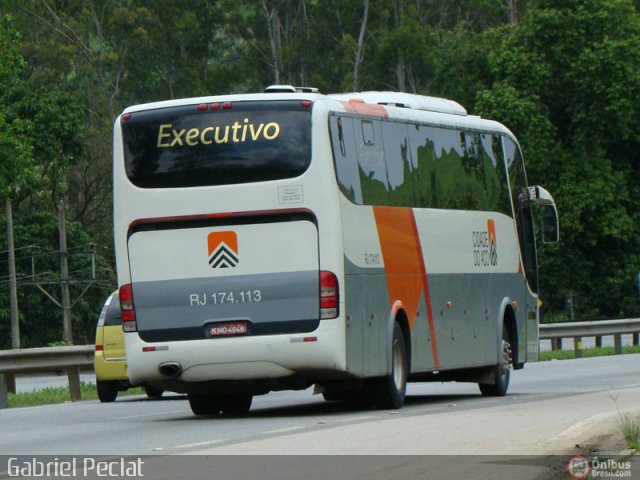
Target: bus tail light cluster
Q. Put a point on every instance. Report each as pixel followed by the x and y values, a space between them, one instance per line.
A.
pixel 127 309
pixel 328 295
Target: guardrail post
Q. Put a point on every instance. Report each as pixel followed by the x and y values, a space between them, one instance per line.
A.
pixel 4 396
pixel 617 339
pixel 556 344
pixel 10 378
pixel 73 374
pixel 635 339
pixel 577 346
pixel 598 341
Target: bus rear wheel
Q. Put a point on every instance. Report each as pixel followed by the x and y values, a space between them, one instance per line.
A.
pixel 153 392
pixel 388 392
pixel 236 404
pixel 204 404
pixel 501 372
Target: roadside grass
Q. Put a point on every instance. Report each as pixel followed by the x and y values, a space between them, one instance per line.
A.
pixel 588 352
pixel 629 424
pixel 631 430
pixel 50 395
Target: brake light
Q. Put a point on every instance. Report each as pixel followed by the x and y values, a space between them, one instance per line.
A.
pixel 127 309
pixel 99 348
pixel 328 295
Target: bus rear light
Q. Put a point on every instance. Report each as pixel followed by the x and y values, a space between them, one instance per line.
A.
pixel 305 104
pixel 215 106
pixel 127 309
pixel 126 116
pixel 202 107
pixel 227 105
pixel 329 295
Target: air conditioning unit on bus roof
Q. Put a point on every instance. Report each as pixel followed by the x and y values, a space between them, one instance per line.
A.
pixel 289 89
pixel 405 100
pixel 392 99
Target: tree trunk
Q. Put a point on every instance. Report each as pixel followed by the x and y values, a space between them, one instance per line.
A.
pixel 275 40
pixel 513 11
pixel 360 47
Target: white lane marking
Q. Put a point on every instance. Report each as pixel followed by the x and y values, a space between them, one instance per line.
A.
pixel 284 430
pixel 198 444
pixel 146 415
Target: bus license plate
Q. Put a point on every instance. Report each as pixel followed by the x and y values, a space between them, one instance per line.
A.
pixel 227 329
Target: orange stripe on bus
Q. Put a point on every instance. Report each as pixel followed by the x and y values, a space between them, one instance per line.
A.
pixel 404 265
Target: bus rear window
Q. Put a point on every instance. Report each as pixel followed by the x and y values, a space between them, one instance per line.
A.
pixel 188 147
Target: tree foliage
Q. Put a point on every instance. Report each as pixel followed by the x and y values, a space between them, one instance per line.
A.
pixel 566 81
pixel 16 165
pixel 564 75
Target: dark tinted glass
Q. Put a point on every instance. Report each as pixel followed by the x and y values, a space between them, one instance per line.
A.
pixel 186 147
pixel 522 208
pixel 113 313
pixel 403 164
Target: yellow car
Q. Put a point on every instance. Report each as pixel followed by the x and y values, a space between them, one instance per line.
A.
pixel 110 361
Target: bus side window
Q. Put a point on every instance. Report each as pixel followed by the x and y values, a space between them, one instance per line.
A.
pixel 522 210
pixel 345 157
pixel 496 180
pixel 343 148
pixel 367 132
pixel 399 167
pixel 373 170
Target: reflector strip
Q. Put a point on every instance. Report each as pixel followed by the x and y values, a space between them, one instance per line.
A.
pixel 155 349
pixel 304 339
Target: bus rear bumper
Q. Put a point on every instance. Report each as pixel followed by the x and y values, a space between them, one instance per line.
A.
pixel 239 358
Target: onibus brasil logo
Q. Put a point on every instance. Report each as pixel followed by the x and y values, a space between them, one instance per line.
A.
pixel 223 249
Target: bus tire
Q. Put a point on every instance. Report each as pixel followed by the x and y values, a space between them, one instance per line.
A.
pixel 501 372
pixel 389 391
pixel 204 404
pixel 153 392
pixel 333 395
pixel 236 404
pixel 107 391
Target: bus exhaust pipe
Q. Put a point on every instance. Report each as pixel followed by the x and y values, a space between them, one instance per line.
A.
pixel 170 369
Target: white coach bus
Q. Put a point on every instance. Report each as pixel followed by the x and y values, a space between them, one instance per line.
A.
pixel 356 242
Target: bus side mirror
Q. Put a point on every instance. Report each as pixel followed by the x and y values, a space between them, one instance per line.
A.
pixel 549 213
pixel 550 224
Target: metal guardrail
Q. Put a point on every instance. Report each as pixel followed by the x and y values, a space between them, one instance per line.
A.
pixel 44 360
pixel 73 358
pixel 599 328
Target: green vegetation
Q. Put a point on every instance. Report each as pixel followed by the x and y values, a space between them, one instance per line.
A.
pixel 563 75
pixel 629 425
pixel 51 395
pixel 589 352
pixel 631 430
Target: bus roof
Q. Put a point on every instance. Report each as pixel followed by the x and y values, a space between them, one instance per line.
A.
pixel 405 100
pixel 395 105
